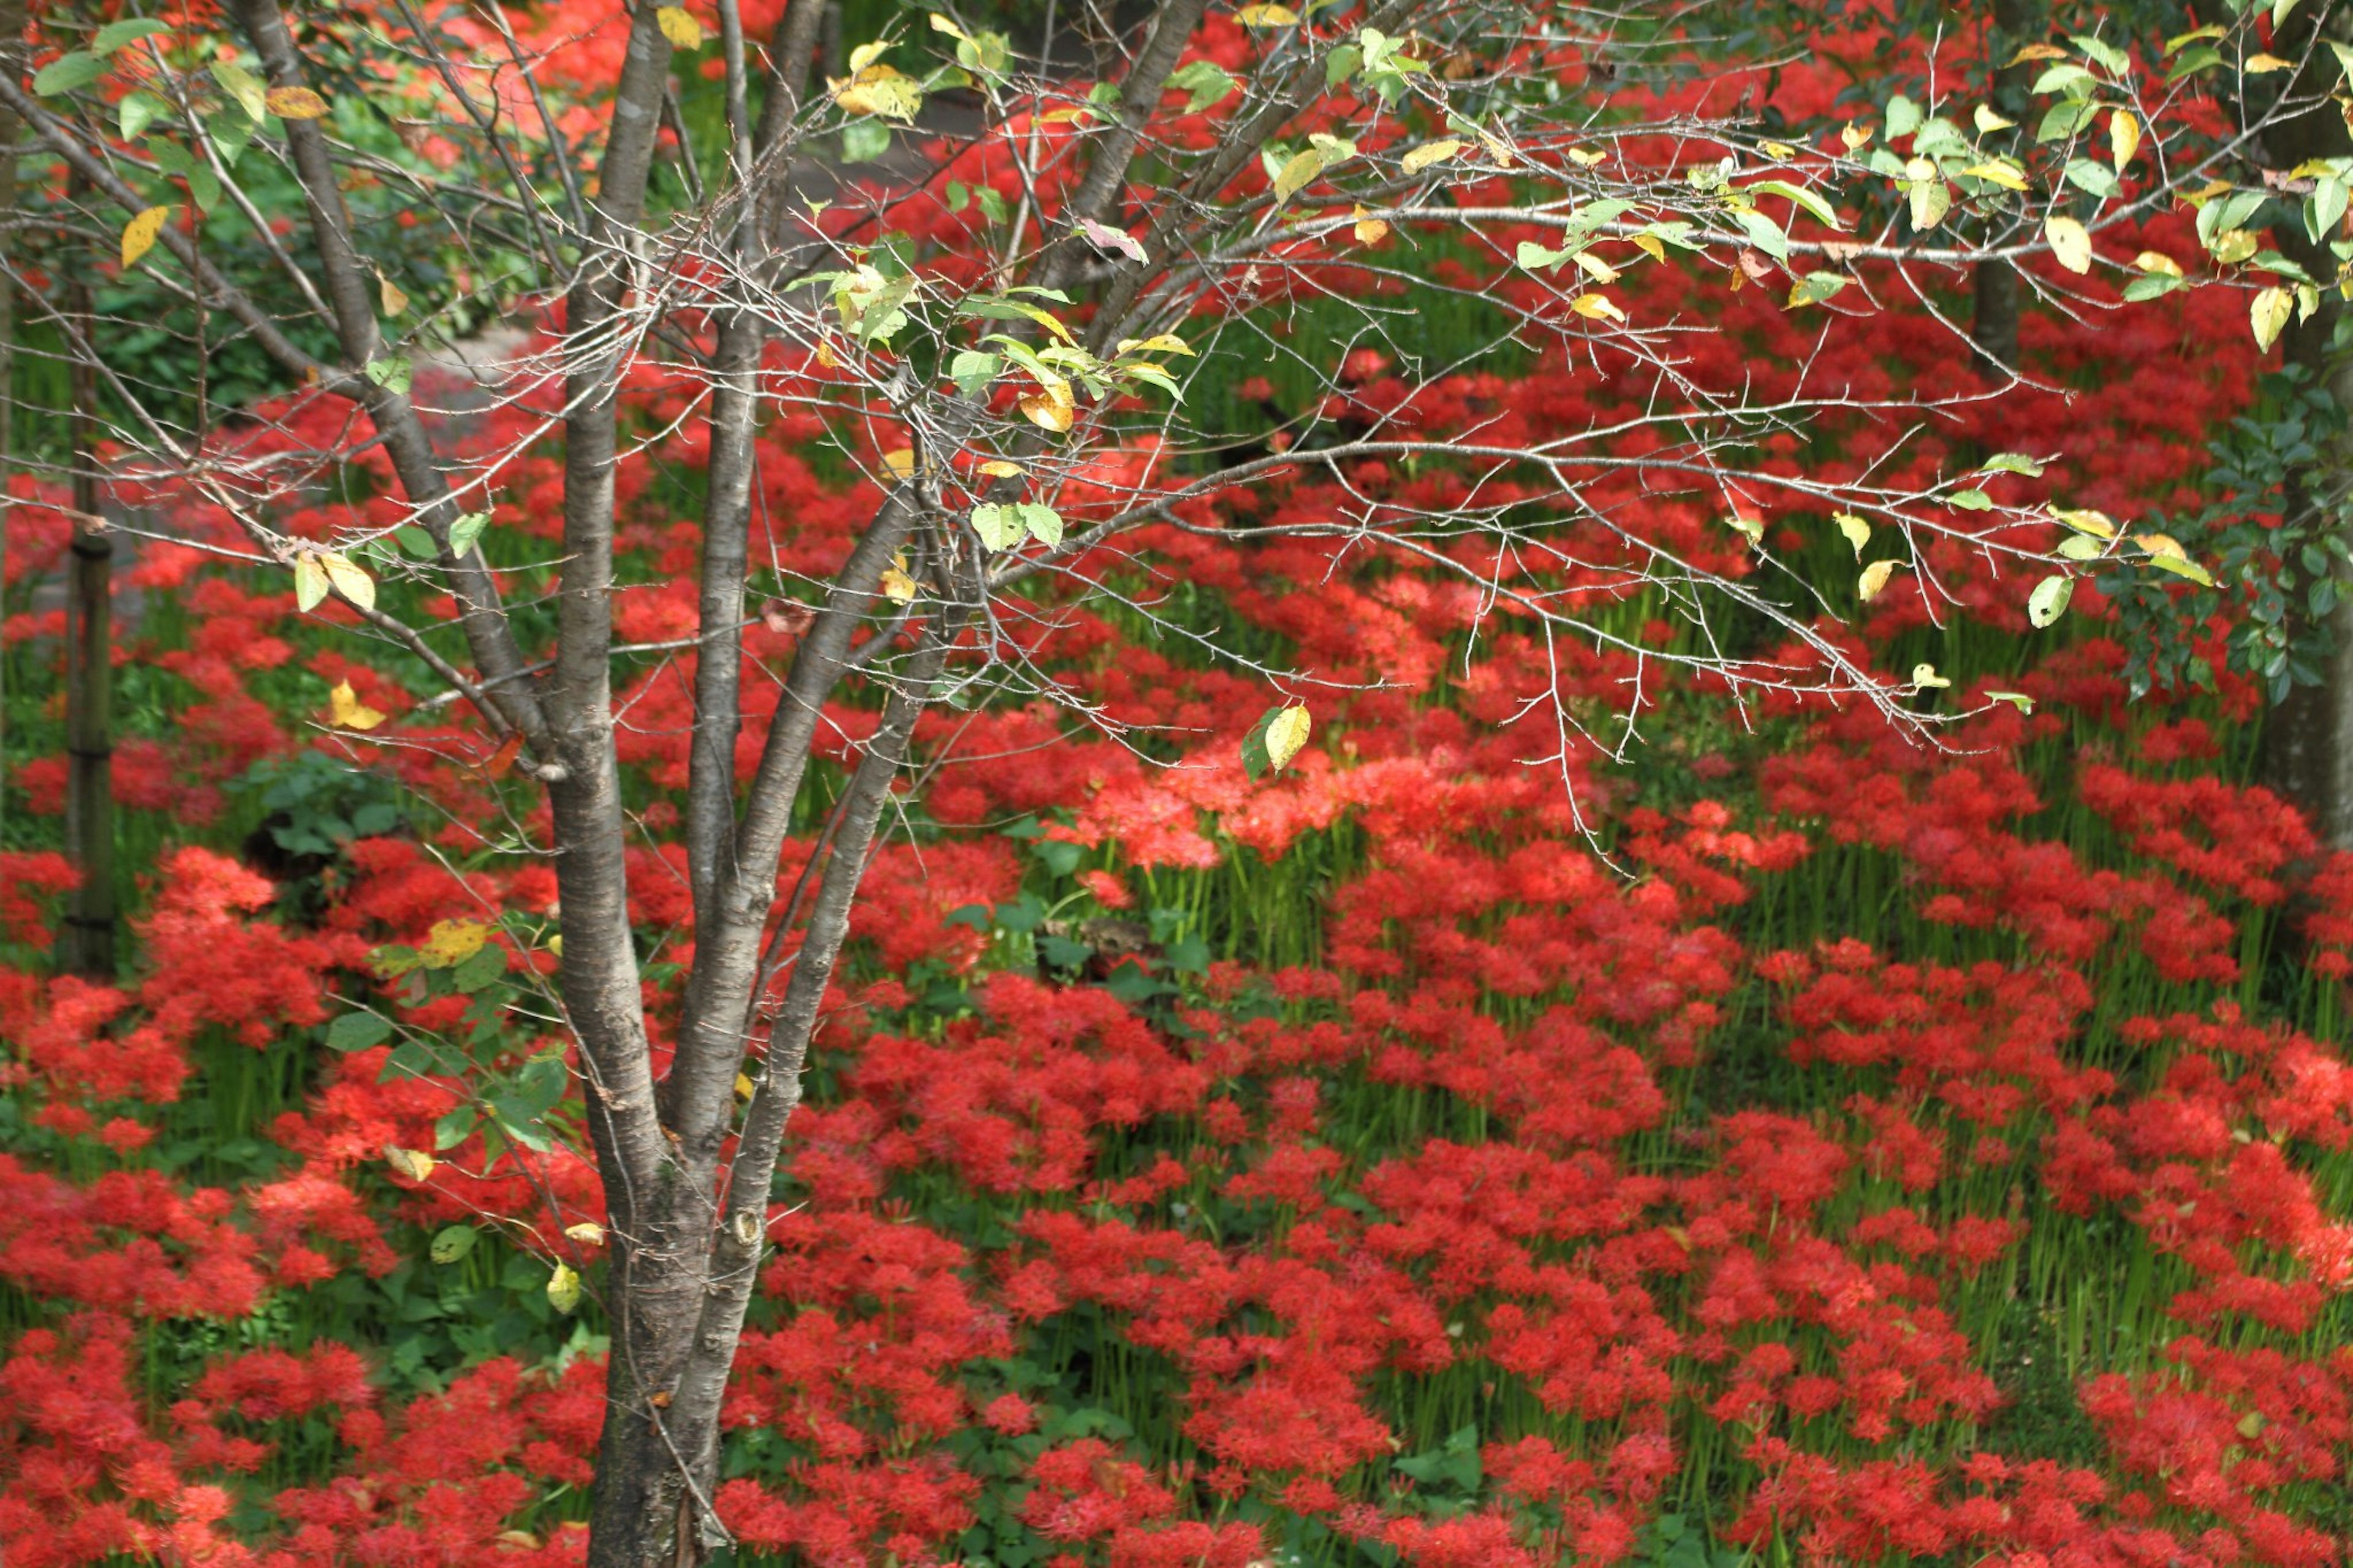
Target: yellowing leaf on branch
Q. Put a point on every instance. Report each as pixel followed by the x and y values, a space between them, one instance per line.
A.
pixel 1988 121
pixel 1430 152
pixel 2124 137
pixel 2037 52
pixel 413 1163
pixel 897 585
pixel 346 712
pixel 139 236
pixel 2265 64
pixel 1925 677
pixel 1998 172
pixel 883 91
pixel 2071 242
pixel 681 29
pixel 395 299
pixel 1052 407
pixel 900 463
pixel 1266 16
pixel 588 1233
pixel 2268 313
pixel 1857 531
pixel 294 103
pixel 1874 578
pixel 450 943
pixel 1369 230
pixel 1597 306
pixel 347 578
pixel 563 1289
pixel 1297 173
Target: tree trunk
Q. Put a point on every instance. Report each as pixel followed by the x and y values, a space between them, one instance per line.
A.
pixel 1993 321
pixel 87 943
pixel 2307 741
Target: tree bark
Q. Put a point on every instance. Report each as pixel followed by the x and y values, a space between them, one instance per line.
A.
pixel 87 942
pixel 2308 739
pixel 1994 285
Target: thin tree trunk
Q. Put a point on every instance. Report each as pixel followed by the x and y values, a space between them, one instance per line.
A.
pixel 2308 742
pixel 12 33
pixel 1993 321
pixel 87 941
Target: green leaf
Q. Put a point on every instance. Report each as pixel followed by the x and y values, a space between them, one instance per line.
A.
pixel 1763 233
pixel 2049 600
pixel 466 531
pixel 137 111
pixel 2011 463
pixel 1534 256
pixel 972 371
pixel 452 1243
pixel 1903 117
pixel 1970 500
pixel 999 525
pixel 67 72
pixel 1820 210
pixel 358 1031
pixel 1209 85
pixel 2096 178
pixel 1044 523
pixel 863 141
pixel 244 87
pixel 129 30
pixel 310 583
pixel 392 373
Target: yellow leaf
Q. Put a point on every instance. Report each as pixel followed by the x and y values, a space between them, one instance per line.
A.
pixel 1779 152
pixel 1285 735
pixel 349 579
pixel 897 587
pixel 1050 407
pixel 450 943
pixel 943 25
pixel 2182 566
pixel 880 89
pixel 1997 173
pixel 2071 242
pixel 1430 152
pixel 1370 230
pixel 1856 137
pixel 1067 116
pixel 2037 52
pixel 900 463
pixel 563 1289
pixel 2268 313
pixel 2158 261
pixel 2087 520
pixel 1585 157
pixel 1297 173
pixel 1924 675
pixel 745 1088
pixel 1597 307
pixel 2263 64
pixel 866 54
pixel 2124 137
pixel 413 1163
pixel 1594 268
pixel 682 30
pixel 394 300
pixel 998 468
pixel 346 712
pixel 139 234
pixel 1652 245
pixel 1988 121
pixel 1857 531
pixel 1164 343
pixel 588 1233
pixel 295 103
pixel 1874 577
pixel 1266 16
